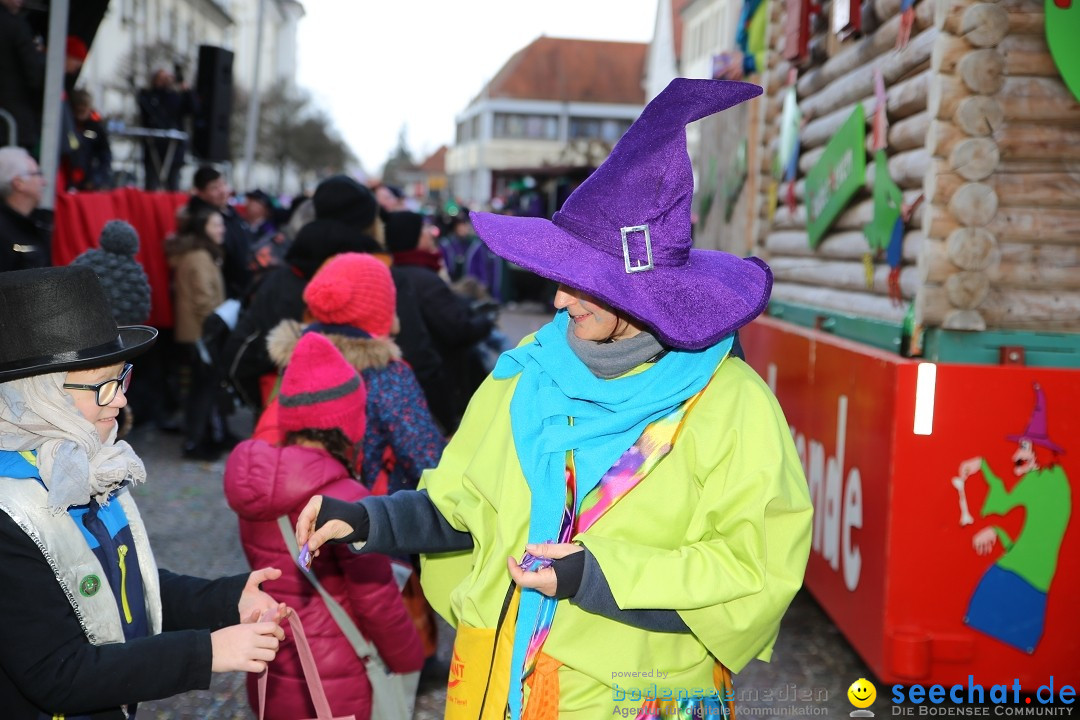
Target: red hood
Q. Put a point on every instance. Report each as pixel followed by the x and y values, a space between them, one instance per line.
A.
pixel 264 482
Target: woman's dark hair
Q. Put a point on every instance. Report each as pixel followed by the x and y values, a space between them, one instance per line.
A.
pixel 333 439
pixel 193 226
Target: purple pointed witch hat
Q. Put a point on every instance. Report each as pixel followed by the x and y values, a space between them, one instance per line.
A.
pixel 1037 430
pixel 623 235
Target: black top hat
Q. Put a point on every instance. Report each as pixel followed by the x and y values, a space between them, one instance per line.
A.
pixel 55 319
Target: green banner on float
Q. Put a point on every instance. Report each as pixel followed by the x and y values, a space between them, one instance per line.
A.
pixel 837 176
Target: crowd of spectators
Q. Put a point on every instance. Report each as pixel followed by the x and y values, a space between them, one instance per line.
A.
pixel 236 247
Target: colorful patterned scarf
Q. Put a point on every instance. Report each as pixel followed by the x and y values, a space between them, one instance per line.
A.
pixel 631 468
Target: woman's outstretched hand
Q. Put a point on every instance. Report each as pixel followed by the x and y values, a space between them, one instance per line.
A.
pixel 245 648
pixel 542 579
pixel 316 537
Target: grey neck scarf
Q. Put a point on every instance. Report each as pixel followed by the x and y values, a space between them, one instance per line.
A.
pixel 36 414
pixel 612 359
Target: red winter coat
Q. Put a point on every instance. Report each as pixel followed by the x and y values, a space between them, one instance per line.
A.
pixel 263 482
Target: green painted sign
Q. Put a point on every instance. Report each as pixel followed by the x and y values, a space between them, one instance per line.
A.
pixel 837 176
pixel 1062 29
pixel 888 200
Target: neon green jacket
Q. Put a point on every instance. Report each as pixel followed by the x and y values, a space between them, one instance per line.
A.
pixel 719 531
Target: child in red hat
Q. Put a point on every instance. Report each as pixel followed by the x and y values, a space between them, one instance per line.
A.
pixel 351 301
pixel 322 419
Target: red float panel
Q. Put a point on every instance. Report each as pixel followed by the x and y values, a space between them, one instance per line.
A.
pixel 929 574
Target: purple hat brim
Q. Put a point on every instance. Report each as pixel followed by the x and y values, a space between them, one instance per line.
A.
pixel 691 306
pixel 1038 440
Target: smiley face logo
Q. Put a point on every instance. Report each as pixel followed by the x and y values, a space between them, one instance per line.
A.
pixel 89 585
pixel 862 693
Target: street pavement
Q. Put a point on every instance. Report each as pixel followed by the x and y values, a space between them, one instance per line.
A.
pixel 193 531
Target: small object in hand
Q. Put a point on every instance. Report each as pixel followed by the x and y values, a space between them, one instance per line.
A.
pixel 530 562
pixel 304 558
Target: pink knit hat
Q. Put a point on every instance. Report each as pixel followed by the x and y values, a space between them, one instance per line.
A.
pixel 322 391
pixel 353 289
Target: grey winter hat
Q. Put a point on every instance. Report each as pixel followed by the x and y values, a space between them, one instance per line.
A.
pixel 122 277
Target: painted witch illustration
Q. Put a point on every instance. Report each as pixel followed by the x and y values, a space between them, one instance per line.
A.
pixel 1009 603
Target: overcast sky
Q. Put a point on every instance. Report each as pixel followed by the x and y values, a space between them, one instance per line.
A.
pixel 376 65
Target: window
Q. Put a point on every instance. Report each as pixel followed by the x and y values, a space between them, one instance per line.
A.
pixel 607 129
pixel 469 129
pixel 531 127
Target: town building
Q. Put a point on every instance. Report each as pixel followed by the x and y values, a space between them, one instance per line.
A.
pixel 547 119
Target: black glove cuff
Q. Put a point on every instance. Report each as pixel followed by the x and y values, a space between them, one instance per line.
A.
pixel 353 514
pixel 568 573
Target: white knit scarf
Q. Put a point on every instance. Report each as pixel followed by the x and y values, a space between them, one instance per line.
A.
pixel 36 414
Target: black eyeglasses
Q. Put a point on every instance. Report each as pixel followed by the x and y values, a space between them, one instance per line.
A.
pixel 106 391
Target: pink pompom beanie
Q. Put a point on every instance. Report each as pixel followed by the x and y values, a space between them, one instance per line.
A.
pixel 321 391
pixel 353 289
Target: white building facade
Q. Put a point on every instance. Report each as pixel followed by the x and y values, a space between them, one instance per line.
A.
pixel 548 118
pixel 279 49
pixel 136 36
pixel 122 58
pixel 693 33
pixel 708 30
pixel 510 134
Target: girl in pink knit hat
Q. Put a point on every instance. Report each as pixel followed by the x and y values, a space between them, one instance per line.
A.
pixel 322 419
pixel 351 301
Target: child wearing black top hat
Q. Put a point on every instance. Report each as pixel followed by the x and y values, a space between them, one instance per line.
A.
pixel 91 625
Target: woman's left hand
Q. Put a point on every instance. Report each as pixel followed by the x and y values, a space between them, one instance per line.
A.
pixel 544 579
pixel 255 604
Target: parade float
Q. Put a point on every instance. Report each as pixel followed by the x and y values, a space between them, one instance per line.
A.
pixel 912 176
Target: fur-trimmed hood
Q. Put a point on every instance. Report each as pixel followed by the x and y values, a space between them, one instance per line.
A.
pixel 362 353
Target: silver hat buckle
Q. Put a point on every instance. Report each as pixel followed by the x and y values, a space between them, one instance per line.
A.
pixel 639 266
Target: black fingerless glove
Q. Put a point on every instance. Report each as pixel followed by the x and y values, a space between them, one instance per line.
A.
pixel 568 573
pixel 354 514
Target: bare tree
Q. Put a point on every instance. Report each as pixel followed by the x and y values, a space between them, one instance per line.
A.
pixel 292 133
pixel 400 165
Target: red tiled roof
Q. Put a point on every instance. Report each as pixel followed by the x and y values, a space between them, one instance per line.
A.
pixel 435 162
pixel 573 71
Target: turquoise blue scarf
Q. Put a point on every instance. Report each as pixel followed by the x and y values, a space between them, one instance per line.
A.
pixel 609 416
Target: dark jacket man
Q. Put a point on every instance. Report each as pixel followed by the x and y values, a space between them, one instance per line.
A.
pixel 22 79
pixel 211 190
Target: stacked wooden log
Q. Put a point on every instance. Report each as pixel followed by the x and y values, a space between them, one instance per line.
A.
pixel 1002 218
pixel 982 125
pixel 833 275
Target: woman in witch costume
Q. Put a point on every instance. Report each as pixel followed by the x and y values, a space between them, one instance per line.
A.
pixel 622 518
pixel 91 626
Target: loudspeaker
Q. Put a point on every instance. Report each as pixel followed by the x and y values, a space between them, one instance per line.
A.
pixel 214 91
